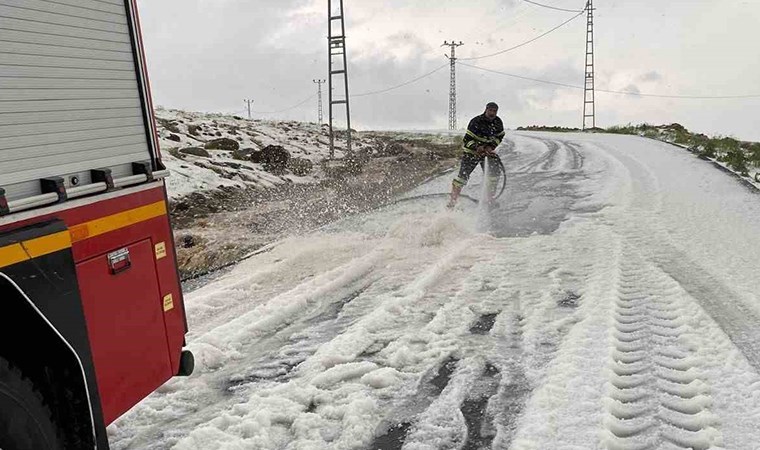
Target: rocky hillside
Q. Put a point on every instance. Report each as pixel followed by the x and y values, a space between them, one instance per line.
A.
pixel 211 152
pixel 206 152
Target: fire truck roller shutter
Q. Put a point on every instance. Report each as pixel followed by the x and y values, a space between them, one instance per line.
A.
pixel 70 99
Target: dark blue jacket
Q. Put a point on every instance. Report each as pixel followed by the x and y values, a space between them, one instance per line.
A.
pixel 482 131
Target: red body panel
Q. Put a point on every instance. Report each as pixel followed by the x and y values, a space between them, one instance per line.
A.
pixel 164 273
pixel 126 327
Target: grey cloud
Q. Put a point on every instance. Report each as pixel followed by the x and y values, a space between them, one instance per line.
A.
pixel 651 76
pixel 409 38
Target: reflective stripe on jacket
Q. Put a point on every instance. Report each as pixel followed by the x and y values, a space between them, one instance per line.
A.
pixel 482 131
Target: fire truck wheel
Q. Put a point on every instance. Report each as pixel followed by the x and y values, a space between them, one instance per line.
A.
pixel 186 363
pixel 25 421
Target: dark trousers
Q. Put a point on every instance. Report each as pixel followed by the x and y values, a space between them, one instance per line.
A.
pixel 470 161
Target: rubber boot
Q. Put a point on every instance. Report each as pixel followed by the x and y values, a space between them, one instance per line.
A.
pixel 455 191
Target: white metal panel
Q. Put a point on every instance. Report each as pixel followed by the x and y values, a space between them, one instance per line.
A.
pixel 66 151
pixel 102 157
pixel 51 61
pixel 65 83
pixel 96 5
pixel 23 48
pixel 57 128
pixel 64 41
pixel 63 117
pixel 9 23
pixel 65 94
pixel 14 148
pixel 79 11
pixel 67 73
pixel 70 97
pixel 14 12
pixel 67 105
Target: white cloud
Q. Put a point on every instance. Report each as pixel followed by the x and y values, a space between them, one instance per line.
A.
pixel 209 55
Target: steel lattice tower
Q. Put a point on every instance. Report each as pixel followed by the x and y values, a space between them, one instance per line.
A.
pixel 319 103
pixel 337 48
pixel 589 105
pixel 453 84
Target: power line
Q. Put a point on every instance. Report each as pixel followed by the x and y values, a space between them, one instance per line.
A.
pixel 526 42
pixel 526 11
pixel 609 91
pixel 520 76
pixel 287 109
pixel 406 83
pixel 690 97
pixel 552 7
pixel 359 95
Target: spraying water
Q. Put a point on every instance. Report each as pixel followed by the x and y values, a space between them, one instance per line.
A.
pixel 484 199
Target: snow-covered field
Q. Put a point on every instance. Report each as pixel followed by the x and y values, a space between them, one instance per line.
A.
pixel 202 170
pixel 179 130
pixel 611 301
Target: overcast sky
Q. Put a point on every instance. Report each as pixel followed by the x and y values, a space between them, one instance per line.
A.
pixel 208 55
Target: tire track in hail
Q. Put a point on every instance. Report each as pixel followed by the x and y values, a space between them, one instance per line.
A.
pixel 574 150
pixel 655 396
pixel 545 160
pixel 718 299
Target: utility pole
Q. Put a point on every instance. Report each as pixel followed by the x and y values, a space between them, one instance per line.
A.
pixel 319 94
pixel 336 39
pixel 589 105
pixel 453 84
pixel 249 103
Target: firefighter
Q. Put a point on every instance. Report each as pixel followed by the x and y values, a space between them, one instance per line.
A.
pixel 484 133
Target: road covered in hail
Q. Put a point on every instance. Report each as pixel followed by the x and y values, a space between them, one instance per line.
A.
pixel 610 301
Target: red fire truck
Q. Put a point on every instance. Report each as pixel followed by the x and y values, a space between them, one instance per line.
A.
pixel 91 310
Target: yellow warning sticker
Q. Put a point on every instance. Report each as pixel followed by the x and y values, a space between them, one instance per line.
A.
pixel 168 303
pixel 160 250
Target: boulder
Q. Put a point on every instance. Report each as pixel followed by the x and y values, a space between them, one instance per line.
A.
pixel 300 166
pixel 257 157
pixel 173 137
pixel 394 149
pixel 222 144
pixel 274 158
pixel 169 125
pixel 196 151
pixel 244 154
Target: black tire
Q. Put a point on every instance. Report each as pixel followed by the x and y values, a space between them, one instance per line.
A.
pixel 186 363
pixel 25 421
